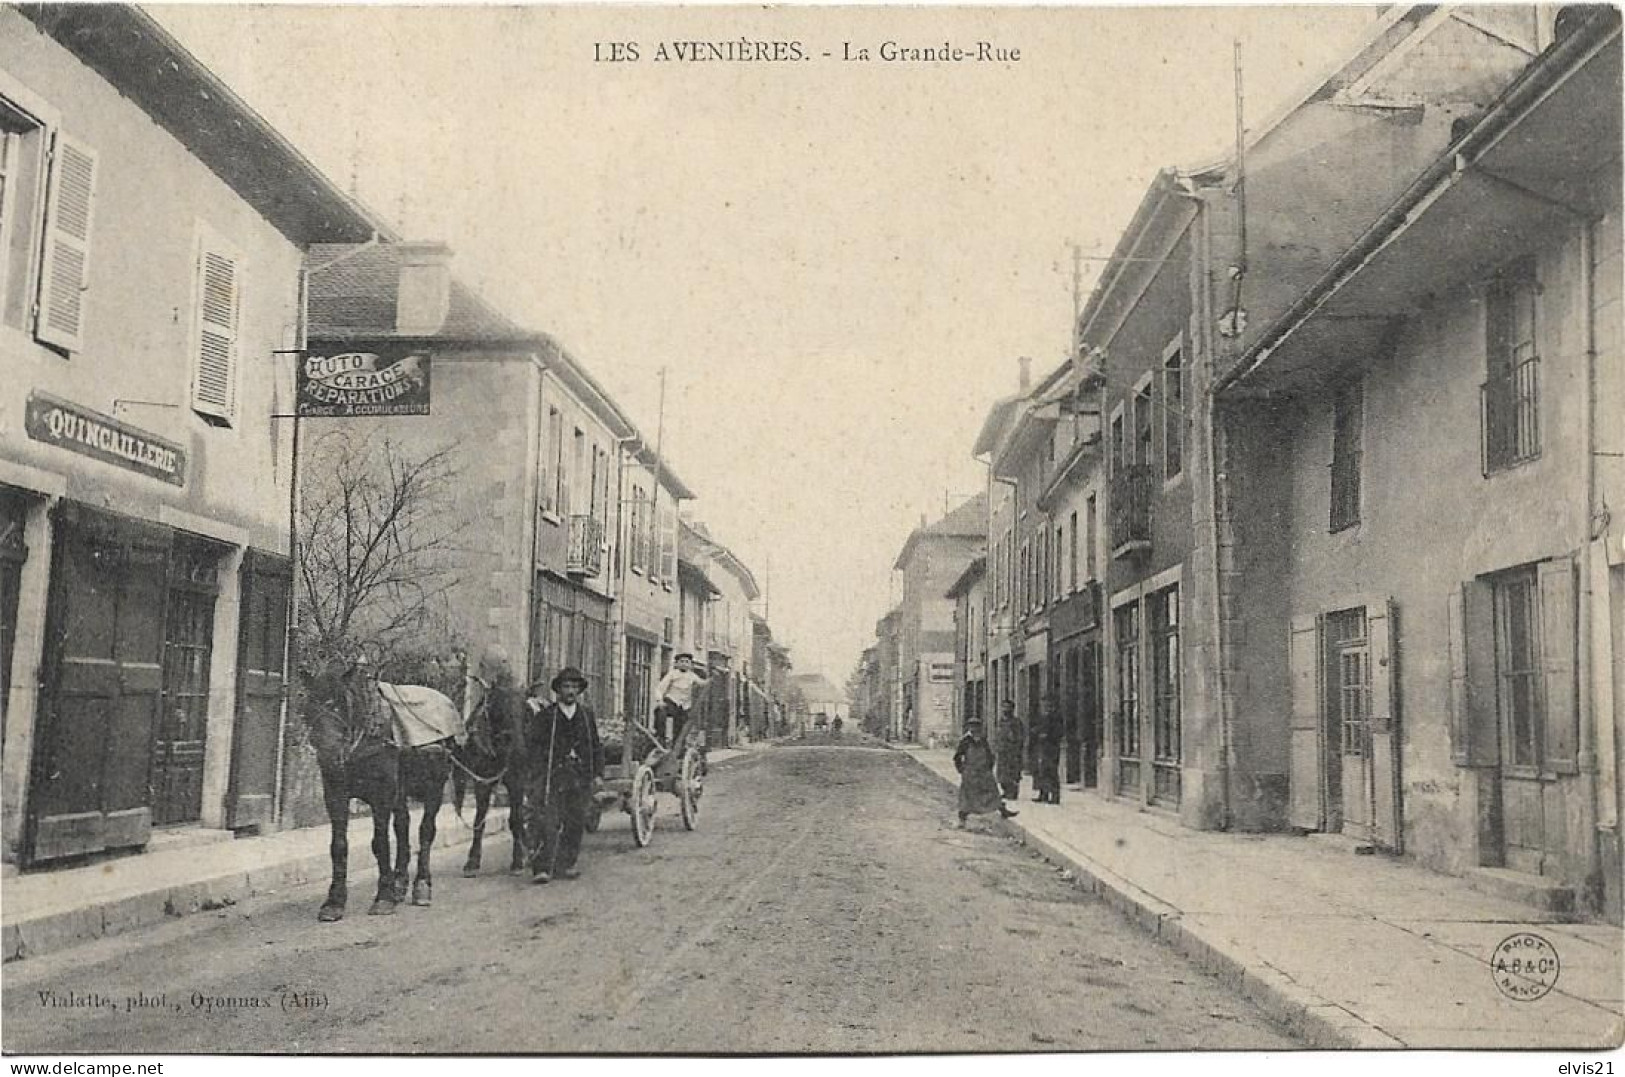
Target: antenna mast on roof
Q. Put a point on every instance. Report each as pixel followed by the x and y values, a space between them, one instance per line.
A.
pixel 660 439
pixel 355 162
pixel 1234 321
pixel 1077 293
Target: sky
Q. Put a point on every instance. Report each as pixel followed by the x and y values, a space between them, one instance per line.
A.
pixel 837 263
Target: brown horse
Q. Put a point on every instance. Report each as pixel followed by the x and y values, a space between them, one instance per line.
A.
pixel 359 759
pixel 493 754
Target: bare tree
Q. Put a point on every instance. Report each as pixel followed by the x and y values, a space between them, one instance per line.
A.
pixel 378 532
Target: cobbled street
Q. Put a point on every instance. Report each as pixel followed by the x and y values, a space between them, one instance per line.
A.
pixel 827 902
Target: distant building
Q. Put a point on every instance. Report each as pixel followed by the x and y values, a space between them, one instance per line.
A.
pixel 969 595
pixel 824 701
pixel 930 561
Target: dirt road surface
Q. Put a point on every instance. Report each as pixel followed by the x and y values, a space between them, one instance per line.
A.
pixel 826 903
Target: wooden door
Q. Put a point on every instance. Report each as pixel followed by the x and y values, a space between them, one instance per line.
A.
pixel 1535 646
pixel 13 553
pixel 262 637
pixel 1307 792
pixel 178 749
pixel 1094 721
pixel 1348 675
pixel 1387 828
pixel 100 706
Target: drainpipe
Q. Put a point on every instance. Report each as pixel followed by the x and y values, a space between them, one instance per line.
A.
pixel 619 642
pixel 1013 571
pixel 1216 493
pixel 1586 695
pixel 290 631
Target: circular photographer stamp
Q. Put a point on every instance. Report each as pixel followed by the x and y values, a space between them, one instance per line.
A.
pixel 1525 966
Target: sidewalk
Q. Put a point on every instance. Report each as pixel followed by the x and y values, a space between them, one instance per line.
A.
pixel 42 912
pixel 1348 951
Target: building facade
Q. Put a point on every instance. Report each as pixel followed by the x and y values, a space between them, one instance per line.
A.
pixel 1071 501
pixel 152 236
pixel 650 611
pixel 930 561
pixel 969 596
pixel 1439 644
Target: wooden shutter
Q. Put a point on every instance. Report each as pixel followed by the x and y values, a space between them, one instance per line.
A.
pixel 214 373
pixel 1558 638
pixel 1381 630
pixel 1305 806
pixel 668 544
pixel 1474 734
pixel 65 268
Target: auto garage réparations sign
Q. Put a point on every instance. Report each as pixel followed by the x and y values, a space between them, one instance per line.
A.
pixel 370 383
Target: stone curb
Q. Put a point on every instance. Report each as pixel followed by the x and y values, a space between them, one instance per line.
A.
pixel 1320 1023
pixel 58 931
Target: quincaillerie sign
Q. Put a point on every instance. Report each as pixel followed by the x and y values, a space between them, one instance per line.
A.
pixel 101 437
pixel 344 384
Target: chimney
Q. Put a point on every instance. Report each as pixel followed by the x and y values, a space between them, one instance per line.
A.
pixel 423 296
pixel 1026 372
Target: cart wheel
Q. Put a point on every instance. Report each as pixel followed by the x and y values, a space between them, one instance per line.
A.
pixel 690 784
pixel 643 806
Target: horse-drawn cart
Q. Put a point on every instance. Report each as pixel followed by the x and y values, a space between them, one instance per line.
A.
pixel 647 767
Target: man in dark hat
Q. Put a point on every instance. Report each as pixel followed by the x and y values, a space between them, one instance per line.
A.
pixel 564 762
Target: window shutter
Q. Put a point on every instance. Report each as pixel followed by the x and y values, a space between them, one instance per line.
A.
pixel 1473 719
pixel 668 545
pixel 65 268
pixel 1379 620
pixel 214 375
pixel 1382 629
pixel 1304 806
pixel 1558 638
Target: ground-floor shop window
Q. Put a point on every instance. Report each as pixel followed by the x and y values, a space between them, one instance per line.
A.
pixel 640 658
pixel 1517 662
pixel 1165 709
pixel 1127 718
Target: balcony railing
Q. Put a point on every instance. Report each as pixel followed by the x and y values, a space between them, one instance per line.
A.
pixel 1131 492
pixel 1510 403
pixel 585 555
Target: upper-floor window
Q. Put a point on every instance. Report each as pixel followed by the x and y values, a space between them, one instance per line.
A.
pixel 1089 536
pixel 553 478
pixel 1348 429
pixel 47 209
pixel 1173 412
pixel 1144 425
pixel 593 502
pixel 1040 589
pixel 1057 581
pixel 1510 397
pixel 573 499
pixel 666 545
pixel 636 542
pixel 1072 556
pixel 1026 583
pixel 1119 448
pixel 217 305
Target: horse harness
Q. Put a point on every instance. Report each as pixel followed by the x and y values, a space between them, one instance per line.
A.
pixel 484 708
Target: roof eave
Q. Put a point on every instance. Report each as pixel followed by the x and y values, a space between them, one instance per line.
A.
pixel 146 63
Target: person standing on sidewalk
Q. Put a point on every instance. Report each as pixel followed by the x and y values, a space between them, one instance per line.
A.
pixel 1012 739
pixel 564 765
pixel 978 792
pixel 1048 732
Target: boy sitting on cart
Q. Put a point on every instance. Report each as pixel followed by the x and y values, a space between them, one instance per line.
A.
pixel 676 693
